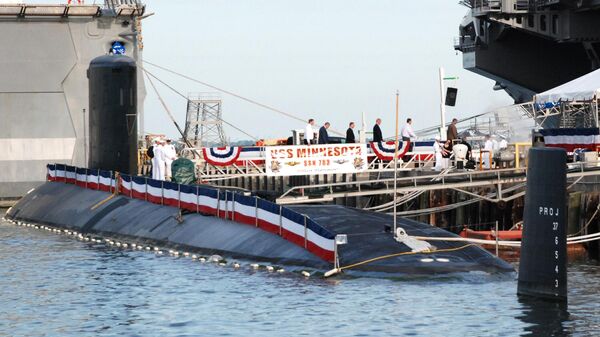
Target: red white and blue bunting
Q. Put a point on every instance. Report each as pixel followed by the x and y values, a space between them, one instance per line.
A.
pixel 290 225
pixel 572 139
pixel 385 150
pixel 221 156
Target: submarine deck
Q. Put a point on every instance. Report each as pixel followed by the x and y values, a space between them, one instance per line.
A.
pixel 69 206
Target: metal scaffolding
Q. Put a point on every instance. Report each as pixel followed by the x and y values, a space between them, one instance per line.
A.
pixel 203 123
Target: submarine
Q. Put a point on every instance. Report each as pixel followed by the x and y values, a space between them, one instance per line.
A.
pixel 109 199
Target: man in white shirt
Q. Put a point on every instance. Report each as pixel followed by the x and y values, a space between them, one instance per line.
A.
pixel 503 144
pixel 309 133
pixel 495 144
pixel 170 155
pixel 407 131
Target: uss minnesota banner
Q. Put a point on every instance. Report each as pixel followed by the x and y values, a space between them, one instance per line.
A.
pixel 315 159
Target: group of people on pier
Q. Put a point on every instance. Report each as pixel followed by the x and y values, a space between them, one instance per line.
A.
pixel 163 153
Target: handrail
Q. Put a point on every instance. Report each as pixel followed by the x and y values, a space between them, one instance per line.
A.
pixel 413 179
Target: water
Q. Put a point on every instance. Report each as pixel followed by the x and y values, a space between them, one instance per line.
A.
pixel 53 285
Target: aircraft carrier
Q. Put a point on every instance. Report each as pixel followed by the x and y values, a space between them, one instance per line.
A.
pixel 529 46
pixel 44 95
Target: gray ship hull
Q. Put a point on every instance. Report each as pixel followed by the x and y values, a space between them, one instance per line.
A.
pixel 44 87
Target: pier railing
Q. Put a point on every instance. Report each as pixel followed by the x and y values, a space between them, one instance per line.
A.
pixel 230 205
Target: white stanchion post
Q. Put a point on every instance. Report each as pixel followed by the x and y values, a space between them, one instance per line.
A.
pixel 197 199
pixel 305 234
pixel 226 206
pixel 280 220
pixel 162 193
pixel 232 206
pixel 256 211
pixel 146 188
pixel 179 196
pixel 218 202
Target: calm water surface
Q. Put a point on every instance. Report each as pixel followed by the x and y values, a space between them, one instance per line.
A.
pixel 53 285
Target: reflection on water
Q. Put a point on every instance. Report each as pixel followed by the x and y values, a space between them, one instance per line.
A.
pixel 546 318
pixel 54 285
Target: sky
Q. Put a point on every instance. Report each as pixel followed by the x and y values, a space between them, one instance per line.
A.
pixel 329 60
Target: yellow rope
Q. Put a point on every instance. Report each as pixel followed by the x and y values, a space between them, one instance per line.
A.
pixel 405 253
pixel 114 194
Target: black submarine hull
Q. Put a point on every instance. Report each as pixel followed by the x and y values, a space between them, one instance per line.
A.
pixel 69 206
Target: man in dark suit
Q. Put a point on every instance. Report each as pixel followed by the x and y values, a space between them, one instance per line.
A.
pixel 452 133
pixel 323 136
pixel 377 135
pixel 350 134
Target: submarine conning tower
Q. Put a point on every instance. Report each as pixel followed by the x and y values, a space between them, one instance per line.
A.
pixel 113 113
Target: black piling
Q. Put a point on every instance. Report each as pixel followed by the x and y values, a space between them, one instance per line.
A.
pixel 543 266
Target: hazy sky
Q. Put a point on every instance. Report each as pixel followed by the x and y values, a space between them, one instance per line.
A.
pixel 330 60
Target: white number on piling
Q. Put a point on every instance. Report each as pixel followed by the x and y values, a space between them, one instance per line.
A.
pixel 556 240
pixel 556 254
pixel 555 283
pixel 555 226
pixel 556 269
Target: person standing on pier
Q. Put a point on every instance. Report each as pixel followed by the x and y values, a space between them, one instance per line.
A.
pixel 452 133
pixel 323 135
pixel 170 156
pixel 309 133
pixel 407 131
pixel 438 149
pixel 488 148
pixel 350 134
pixel 377 135
pixel 158 162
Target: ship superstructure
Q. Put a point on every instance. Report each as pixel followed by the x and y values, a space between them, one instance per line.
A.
pixel 45 54
pixel 530 46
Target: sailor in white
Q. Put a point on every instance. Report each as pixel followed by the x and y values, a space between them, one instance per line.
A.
pixel 158 162
pixel 438 149
pixel 170 155
pixel 309 133
pixel 489 148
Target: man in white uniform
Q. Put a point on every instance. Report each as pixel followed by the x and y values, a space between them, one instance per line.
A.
pixel 489 148
pixel 438 150
pixel 170 155
pixel 158 162
pixel 309 133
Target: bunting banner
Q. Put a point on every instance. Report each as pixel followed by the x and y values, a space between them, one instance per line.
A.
pixel 292 226
pixel 385 150
pixel 221 156
pixel 572 139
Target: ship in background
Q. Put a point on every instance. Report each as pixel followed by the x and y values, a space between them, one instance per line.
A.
pixel 530 46
pixel 45 54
